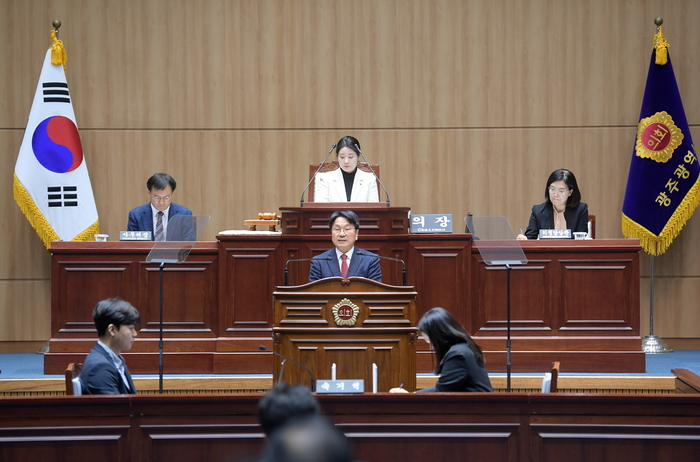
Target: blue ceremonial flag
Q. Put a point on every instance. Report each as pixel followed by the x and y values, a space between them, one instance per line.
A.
pixel 662 187
pixel 51 184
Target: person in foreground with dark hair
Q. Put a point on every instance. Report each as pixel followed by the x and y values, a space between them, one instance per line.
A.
pixel 155 215
pixel 284 403
pixel 562 208
pixel 345 260
pixel 104 370
pixel 461 363
pixel 347 183
pixel 313 439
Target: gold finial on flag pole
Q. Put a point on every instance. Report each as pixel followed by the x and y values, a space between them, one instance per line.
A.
pixel 58 52
pixel 660 43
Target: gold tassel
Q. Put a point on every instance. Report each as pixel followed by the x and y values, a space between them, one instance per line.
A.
pixel 657 245
pixel 661 45
pixel 58 51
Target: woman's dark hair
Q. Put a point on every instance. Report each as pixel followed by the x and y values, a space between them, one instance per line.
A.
pixel 567 177
pixel 444 331
pixel 348 142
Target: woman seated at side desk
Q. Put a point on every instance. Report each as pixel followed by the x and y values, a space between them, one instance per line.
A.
pixel 562 208
pixel 347 183
pixel 461 364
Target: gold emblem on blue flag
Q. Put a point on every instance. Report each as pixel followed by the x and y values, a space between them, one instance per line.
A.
pixel 658 137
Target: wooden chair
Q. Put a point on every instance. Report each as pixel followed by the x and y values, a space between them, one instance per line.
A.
pixel 73 387
pixel 330 166
pixel 549 382
pixel 591 220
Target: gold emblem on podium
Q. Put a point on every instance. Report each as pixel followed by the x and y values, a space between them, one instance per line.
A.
pixel 345 313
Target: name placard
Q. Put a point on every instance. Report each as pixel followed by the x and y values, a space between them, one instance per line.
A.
pixel 431 223
pixel 134 235
pixel 555 234
pixel 340 386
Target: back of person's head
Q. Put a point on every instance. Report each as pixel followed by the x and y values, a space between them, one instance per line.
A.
pixel 348 215
pixel 313 439
pixel 114 311
pixel 284 403
pixel 348 142
pixel 569 179
pixel 444 331
pixel 160 181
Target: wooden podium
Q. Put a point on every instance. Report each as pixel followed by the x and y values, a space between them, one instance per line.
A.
pixel 353 323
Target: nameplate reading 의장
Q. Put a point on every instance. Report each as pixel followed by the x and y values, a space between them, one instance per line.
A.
pixel 431 223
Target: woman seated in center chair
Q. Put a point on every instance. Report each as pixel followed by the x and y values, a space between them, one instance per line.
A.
pixel 562 208
pixel 347 183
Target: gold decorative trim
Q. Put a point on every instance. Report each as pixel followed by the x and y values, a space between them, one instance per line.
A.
pixel 345 313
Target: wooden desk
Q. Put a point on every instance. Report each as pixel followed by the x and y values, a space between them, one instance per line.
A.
pixel 575 301
pixel 420 427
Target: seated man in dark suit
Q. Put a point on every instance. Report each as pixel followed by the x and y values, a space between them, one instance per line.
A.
pixel 345 259
pixel 155 215
pixel 104 370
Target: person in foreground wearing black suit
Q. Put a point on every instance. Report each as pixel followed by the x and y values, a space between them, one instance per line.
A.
pixel 161 188
pixel 461 364
pixel 345 260
pixel 104 370
pixel 562 208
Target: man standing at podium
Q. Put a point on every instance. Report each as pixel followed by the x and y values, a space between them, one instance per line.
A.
pixel 345 260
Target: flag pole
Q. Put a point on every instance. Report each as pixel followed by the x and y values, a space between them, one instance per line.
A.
pixel 651 343
pixel 56 24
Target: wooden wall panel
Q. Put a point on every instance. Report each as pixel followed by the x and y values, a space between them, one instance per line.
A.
pixel 467 106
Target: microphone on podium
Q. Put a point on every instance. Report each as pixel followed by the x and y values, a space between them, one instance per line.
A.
pixel 286 265
pixel 313 382
pixel 301 204
pixel 360 252
pixel 388 202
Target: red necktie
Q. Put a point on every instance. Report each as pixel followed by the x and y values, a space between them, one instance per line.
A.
pixel 344 266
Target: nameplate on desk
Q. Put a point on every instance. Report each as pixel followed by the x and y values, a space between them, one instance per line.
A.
pixel 431 223
pixel 340 386
pixel 135 235
pixel 555 234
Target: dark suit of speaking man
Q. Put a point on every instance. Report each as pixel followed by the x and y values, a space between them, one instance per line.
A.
pixel 104 370
pixel 161 187
pixel 345 228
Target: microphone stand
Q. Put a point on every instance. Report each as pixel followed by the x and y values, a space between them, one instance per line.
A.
pixel 388 202
pixel 286 265
pixel 301 204
pixel 313 381
pixel 403 269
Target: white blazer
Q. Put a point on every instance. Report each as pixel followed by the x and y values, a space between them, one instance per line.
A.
pixel 330 187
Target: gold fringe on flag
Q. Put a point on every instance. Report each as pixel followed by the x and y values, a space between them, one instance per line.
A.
pixel 58 51
pixel 38 220
pixel 657 245
pixel 661 45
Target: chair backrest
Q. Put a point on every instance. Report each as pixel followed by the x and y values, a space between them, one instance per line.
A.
pixel 333 165
pixel 591 226
pixel 549 382
pixel 555 377
pixel 73 387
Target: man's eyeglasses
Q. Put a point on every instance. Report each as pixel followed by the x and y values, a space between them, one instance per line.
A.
pixel 345 230
pixel 161 199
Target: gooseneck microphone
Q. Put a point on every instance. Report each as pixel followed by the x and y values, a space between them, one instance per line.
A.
pixel 286 265
pixel 301 204
pixel 360 252
pixel 313 382
pixel 386 193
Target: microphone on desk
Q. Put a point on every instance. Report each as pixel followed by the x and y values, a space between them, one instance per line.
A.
pixel 301 204
pixel 388 202
pixel 286 265
pixel 470 226
pixel 360 252
pixel 313 382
